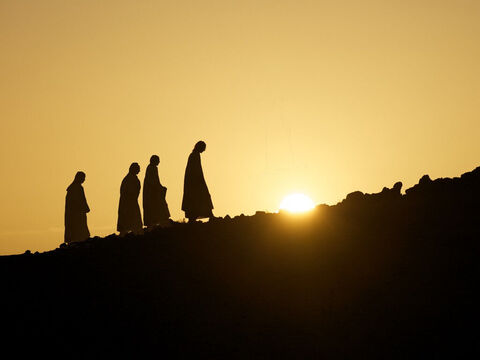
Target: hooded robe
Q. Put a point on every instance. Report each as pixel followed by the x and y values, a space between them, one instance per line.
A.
pixel 76 209
pixel 155 207
pixel 129 217
pixel 197 202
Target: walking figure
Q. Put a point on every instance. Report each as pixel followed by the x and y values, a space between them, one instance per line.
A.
pixel 129 217
pixel 197 202
pixel 155 207
pixel 76 209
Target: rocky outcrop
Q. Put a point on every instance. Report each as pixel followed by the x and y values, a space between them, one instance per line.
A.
pixel 380 275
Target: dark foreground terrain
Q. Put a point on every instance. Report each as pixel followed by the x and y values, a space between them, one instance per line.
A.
pixel 377 276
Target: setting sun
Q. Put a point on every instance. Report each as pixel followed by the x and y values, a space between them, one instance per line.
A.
pixel 296 203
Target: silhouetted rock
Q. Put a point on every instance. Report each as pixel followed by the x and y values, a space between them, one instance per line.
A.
pixel 424 180
pixel 358 198
pixel 355 196
pixel 380 275
pixel 397 187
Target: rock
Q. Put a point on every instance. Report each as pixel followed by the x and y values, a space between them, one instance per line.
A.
pixel 397 187
pixel 356 195
pixel 425 179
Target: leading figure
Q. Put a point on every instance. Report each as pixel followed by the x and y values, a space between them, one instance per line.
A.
pixel 197 202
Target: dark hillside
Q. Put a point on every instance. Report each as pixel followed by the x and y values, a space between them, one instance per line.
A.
pixel 377 276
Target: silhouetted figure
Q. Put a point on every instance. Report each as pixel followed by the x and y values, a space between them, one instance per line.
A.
pixel 197 202
pixel 155 207
pixel 76 209
pixel 129 217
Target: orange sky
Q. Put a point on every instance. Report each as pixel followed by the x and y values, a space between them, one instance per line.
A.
pixel 320 97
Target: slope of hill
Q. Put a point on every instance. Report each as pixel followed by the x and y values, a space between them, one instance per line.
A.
pixel 377 275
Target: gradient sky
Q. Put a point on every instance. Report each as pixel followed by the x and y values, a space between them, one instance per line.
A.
pixel 320 97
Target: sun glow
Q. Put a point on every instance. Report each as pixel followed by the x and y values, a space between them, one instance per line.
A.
pixel 297 203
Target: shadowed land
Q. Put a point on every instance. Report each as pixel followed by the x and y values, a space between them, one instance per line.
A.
pixel 377 275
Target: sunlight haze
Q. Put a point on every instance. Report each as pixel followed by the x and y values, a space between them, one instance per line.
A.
pixel 315 97
pixel 297 203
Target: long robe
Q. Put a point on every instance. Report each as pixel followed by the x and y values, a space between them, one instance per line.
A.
pixel 76 209
pixel 155 207
pixel 129 217
pixel 197 202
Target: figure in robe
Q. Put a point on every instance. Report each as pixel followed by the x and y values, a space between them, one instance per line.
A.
pixel 129 217
pixel 155 207
pixel 197 202
pixel 76 209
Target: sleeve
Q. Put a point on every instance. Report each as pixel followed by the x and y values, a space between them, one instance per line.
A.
pixel 84 201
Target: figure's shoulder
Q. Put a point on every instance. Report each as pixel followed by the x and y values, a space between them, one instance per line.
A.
pixel 194 155
pixel 126 179
pixel 147 170
pixel 74 187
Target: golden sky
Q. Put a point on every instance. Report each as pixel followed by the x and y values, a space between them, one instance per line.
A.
pixel 320 97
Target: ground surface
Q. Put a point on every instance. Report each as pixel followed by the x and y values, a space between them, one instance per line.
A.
pixel 377 276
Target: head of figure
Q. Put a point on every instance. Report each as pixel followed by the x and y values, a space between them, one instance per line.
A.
pixel 200 147
pixel 79 177
pixel 155 160
pixel 134 168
